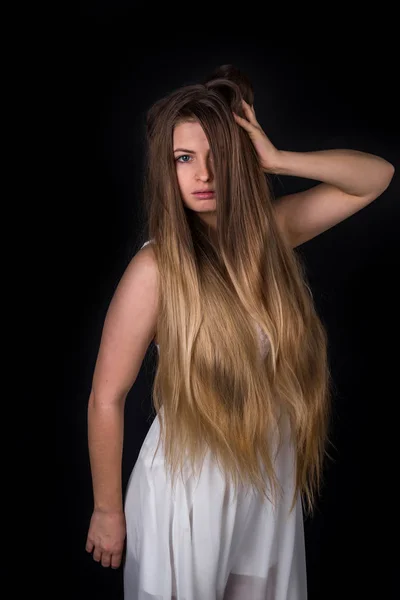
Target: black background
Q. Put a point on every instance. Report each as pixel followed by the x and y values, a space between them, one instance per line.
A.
pixel 306 99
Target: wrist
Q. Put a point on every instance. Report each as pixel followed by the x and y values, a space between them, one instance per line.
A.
pixel 276 162
pixel 109 510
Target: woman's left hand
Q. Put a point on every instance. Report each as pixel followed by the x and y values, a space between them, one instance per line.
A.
pixel 267 153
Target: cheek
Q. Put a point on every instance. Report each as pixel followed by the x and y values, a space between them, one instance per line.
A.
pixel 183 180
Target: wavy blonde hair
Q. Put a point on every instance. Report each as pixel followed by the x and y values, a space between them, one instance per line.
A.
pixel 215 391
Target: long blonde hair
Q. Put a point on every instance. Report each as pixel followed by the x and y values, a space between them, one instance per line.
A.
pixel 214 390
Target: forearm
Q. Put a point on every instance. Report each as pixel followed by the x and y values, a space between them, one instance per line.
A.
pixel 354 172
pixel 105 436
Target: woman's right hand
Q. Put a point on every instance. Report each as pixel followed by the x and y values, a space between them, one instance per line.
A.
pixel 106 537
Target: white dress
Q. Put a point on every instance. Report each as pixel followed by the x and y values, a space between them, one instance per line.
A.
pixel 200 542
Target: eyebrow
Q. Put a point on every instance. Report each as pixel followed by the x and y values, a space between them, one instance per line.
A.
pixel 184 150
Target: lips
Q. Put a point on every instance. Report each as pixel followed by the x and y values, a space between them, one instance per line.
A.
pixel 204 194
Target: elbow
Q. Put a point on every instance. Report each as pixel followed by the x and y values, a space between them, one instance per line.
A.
pixel 389 173
pixel 384 180
pixel 106 401
pixel 391 169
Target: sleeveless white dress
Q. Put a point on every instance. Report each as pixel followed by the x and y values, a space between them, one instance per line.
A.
pixel 200 542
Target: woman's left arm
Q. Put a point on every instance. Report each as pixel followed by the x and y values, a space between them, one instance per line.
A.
pixel 350 180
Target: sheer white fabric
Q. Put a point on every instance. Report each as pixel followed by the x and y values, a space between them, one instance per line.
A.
pixel 200 542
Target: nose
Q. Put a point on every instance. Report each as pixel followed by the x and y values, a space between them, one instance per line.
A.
pixel 204 173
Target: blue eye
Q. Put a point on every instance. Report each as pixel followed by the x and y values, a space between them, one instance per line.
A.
pixel 183 156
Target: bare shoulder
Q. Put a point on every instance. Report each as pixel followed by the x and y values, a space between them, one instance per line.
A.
pixel 146 257
pixel 129 326
pixel 280 215
pixel 142 275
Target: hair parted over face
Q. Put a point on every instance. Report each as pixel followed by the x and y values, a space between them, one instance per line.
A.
pixel 195 170
pixel 189 134
pixel 199 118
pixel 224 266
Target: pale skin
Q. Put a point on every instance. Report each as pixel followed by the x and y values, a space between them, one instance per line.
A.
pixel 350 180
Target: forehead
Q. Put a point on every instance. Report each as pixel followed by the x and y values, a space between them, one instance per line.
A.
pixel 190 134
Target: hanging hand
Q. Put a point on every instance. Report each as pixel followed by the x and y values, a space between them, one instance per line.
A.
pixel 267 153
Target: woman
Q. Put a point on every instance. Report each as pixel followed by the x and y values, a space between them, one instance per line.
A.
pixel 214 505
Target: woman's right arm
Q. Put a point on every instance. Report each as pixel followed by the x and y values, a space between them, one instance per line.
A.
pixel 128 329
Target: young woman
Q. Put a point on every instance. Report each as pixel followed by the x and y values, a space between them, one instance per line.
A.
pixel 214 505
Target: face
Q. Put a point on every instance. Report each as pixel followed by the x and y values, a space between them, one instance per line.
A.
pixel 194 169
